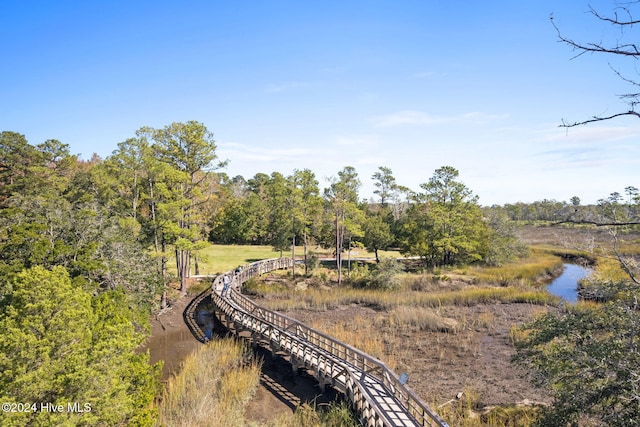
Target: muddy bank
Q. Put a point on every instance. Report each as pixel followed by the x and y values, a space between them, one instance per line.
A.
pixel 170 340
pixel 280 391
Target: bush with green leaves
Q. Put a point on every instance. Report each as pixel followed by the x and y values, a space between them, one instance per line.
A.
pixel 588 357
pixel 62 346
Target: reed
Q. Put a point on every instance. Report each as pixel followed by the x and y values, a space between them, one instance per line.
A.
pixel 537 267
pixel 214 383
pixel 468 411
pixel 419 318
pixel 322 299
pixel 335 415
pixel 360 333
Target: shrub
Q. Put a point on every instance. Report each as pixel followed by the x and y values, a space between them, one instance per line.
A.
pixel 385 275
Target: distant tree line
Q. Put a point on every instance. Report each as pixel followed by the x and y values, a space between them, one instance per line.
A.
pixel 443 224
pixel 555 211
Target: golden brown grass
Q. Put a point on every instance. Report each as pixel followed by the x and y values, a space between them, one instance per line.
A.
pixel 337 415
pixel 213 386
pixel 358 332
pixel 538 265
pixel 465 412
pixel 286 299
pixel 419 318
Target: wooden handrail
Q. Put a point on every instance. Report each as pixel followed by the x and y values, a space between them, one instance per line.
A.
pixel 350 357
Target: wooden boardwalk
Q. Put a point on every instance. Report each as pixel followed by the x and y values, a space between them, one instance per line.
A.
pixel 376 392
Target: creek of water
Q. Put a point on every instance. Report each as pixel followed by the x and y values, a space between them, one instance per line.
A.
pixel 566 285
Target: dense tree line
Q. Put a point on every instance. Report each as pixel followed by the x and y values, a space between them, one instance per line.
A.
pixel 443 224
pixel 557 211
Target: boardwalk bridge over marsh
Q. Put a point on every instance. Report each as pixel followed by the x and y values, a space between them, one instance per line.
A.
pixel 377 394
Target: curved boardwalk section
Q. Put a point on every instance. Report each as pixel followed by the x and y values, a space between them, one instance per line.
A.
pixel 375 391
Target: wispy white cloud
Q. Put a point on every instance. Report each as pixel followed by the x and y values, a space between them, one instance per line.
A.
pixel 281 87
pixel 361 140
pixel 421 118
pixel 427 74
pixel 587 147
pixel 591 134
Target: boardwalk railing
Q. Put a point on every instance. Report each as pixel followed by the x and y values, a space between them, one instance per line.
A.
pixel 374 390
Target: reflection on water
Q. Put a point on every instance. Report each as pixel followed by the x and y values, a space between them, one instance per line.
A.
pixel 204 318
pixel 566 285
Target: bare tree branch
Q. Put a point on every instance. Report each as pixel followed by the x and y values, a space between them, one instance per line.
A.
pixel 599 119
pixel 596 223
pixel 616 20
pixel 622 260
pixel 627 49
pixel 618 48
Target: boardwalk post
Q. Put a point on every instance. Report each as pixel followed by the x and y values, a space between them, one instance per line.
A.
pixel 274 349
pixel 254 339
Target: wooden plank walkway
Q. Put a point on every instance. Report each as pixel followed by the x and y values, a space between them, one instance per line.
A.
pixel 376 393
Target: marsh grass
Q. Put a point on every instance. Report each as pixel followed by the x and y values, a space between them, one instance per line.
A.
pixel 608 269
pixel 323 299
pixel 419 318
pixel 359 332
pixel 215 382
pixel 470 412
pixel 335 415
pixel 535 269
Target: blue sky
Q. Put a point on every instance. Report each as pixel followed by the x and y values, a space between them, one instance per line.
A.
pixel 284 85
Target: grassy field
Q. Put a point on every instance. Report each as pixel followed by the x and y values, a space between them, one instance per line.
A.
pixel 215 259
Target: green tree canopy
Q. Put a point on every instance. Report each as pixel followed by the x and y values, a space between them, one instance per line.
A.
pixel 445 224
pixel 60 346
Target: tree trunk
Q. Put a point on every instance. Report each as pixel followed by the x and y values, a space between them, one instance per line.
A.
pixel 306 266
pixel 293 256
pixel 338 249
pixel 349 259
pixel 182 270
pixel 163 269
pixel 163 300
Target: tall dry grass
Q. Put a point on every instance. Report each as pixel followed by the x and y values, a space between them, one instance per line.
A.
pixel 538 266
pixel 336 415
pixel 419 318
pixel 287 299
pixel 212 388
pixel 360 333
pixel 469 412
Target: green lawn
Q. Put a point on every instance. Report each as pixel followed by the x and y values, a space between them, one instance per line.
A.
pixel 216 259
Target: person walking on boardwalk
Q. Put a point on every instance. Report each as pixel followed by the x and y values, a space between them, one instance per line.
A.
pixel 225 282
